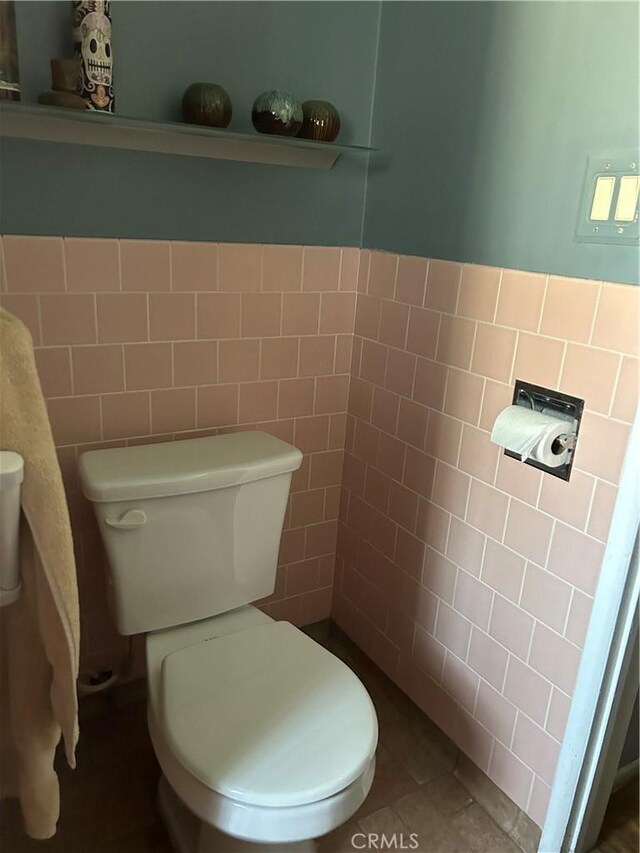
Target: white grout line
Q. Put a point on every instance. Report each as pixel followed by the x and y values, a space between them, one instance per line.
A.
pixel 595 312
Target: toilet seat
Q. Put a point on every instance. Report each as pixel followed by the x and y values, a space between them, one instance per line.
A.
pixel 263 733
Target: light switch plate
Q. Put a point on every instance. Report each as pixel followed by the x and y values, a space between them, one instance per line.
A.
pixel 592 227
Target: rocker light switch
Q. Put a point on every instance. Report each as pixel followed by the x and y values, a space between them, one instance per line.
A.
pixel 627 206
pixel 602 199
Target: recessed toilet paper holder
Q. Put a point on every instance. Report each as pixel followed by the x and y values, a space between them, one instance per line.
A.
pixel 558 405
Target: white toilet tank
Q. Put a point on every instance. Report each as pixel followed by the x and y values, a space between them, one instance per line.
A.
pixel 191 528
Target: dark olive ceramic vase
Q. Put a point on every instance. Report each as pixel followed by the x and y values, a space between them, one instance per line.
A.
pixel 276 112
pixel 320 121
pixel 206 103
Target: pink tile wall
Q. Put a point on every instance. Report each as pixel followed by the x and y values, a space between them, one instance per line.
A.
pixel 467 576
pixel 140 341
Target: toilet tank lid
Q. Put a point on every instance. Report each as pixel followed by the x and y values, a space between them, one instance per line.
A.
pixel 183 467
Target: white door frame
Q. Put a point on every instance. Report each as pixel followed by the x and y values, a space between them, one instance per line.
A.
pixel 609 646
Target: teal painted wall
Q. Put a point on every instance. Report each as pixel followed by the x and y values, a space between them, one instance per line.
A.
pixel 314 49
pixel 484 116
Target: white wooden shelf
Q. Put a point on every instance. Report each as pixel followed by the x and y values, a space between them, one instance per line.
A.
pixel 109 130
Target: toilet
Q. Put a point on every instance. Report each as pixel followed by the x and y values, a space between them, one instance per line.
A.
pixel 265 739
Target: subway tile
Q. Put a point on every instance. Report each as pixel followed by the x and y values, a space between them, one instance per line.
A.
pixel 410 553
pixel 337 313
pixel 625 400
pixel 97 369
pixel 122 317
pixel 487 509
pixel 217 405
pixel 575 557
pixel 34 264
pixel 238 361
pixel 261 315
pixel 321 539
pixel 455 341
pixel 401 369
pixel 126 415
pixel 443 438
pixel 281 268
pixel 360 398
pixel 443 283
pixel 145 265
pixel 510 774
pixel 569 308
pixel 464 396
pixel 321 268
pixel 422 333
pixel 478 456
pixel 363 271
pixel 428 653
pixel 331 394
pixel 559 707
pixel 503 570
pixel 487 658
pixel 391 454
pixel 520 300
pixel 344 346
pixel 601 446
pixel 538 360
pixel 193 266
pixel 218 315
pixel 494 350
pixel 239 267
pixel 419 471
pixel 497 396
pixel 473 599
pixel 545 597
pixel 460 681
pixel 337 431
pixel 394 320
pixel 453 630
pixel 301 577
pixel 567 501
pixel 173 410
pixel 300 313
pixel 68 319
pixel 412 423
pixel 75 420
pixel 195 362
pixel 382 275
pixel 147 366
pixel 411 279
pixel 279 358
pixel 307 507
pixel 604 498
pixel 591 374
pixel 384 412
pixel 54 371
pixel 479 288
pixel 373 364
pixel 528 532
pixel 519 480
pixel 616 326
pixel 527 690
pixel 317 355
pixel 578 620
pixel 539 801
pixel 349 268
pixel 258 401
pixel 511 627
pixel 535 748
pixel 311 434
pixel 326 468
pixel 367 319
pixel 451 489
pixel 93 266
pixel 496 713
pixel 439 575
pixel 554 658
pixel 365 443
pixel 25 307
pixel 172 316
pixel 466 546
pixel 430 384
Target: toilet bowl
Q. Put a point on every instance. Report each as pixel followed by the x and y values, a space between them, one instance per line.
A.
pixel 265 739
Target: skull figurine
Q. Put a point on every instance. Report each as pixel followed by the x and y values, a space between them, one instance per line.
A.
pixel 92 44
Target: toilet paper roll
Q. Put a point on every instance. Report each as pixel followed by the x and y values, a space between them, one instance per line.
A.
pixel 530 434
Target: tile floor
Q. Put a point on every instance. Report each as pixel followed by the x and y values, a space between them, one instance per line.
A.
pixel 108 803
